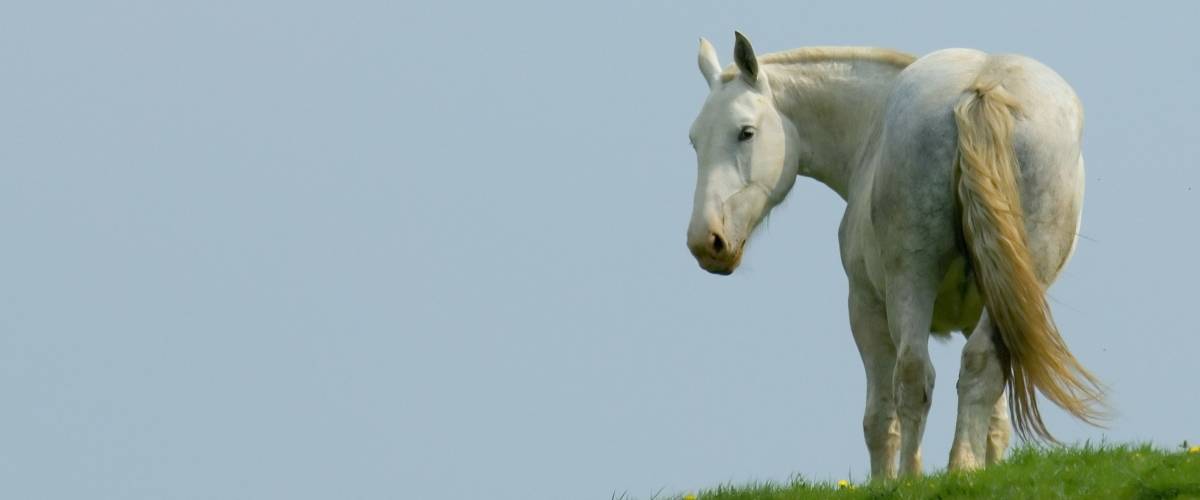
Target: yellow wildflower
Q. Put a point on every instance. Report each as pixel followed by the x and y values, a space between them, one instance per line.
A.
pixel 1194 450
pixel 843 484
pixel 689 496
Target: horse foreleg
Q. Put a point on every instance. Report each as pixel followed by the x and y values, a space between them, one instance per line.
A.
pixel 980 391
pixel 868 322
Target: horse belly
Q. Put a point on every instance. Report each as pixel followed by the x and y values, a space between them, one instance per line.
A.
pixel 958 305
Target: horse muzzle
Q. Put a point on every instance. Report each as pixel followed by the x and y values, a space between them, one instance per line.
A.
pixel 716 254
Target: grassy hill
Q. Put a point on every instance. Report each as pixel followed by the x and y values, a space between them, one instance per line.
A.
pixel 1141 472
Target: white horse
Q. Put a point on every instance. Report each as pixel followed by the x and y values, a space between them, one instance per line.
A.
pixel 963 178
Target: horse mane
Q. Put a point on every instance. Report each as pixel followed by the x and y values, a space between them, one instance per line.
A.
pixel 829 54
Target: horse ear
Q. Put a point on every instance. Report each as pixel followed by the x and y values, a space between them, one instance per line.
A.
pixel 709 66
pixel 743 55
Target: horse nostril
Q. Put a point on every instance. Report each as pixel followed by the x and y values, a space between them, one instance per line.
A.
pixel 718 244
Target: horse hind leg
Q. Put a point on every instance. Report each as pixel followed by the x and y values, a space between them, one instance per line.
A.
pixel 1057 245
pixel 999 431
pixel 910 300
pixel 980 396
pixel 881 429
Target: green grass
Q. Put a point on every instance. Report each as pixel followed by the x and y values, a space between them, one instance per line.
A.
pixel 1089 471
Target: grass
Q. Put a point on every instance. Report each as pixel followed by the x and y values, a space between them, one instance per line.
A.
pixel 1089 471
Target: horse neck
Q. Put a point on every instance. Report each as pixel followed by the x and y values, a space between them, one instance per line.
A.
pixel 835 107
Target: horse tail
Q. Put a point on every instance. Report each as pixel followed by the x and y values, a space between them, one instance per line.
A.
pixel 1033 355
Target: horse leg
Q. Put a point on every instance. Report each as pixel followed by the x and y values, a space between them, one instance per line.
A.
pixel 868 322
pixel 910 298
pixel 980 388
pixel 999 431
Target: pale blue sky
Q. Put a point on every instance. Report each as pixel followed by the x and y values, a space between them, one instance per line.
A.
pixel 436 250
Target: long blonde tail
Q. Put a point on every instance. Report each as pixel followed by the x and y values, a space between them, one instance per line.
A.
pixel 1035 355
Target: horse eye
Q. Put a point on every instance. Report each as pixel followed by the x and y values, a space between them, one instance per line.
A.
pixel 746 133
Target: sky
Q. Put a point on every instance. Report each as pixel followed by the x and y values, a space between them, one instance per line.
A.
pixel 436 250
